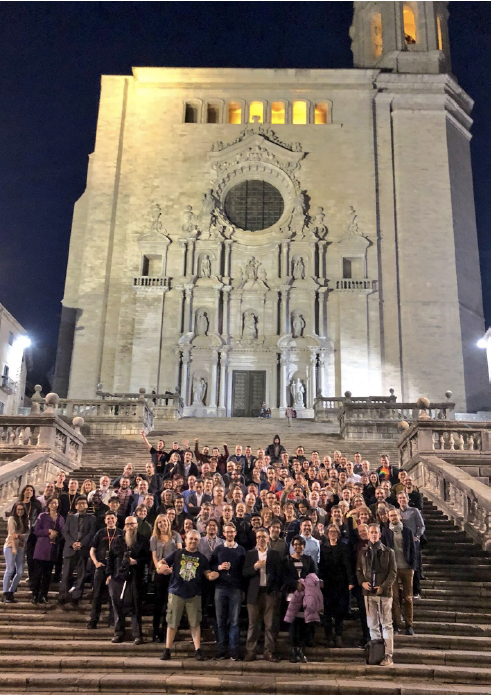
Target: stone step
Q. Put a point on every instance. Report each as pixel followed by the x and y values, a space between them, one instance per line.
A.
pixel 135 666
pixel 173 679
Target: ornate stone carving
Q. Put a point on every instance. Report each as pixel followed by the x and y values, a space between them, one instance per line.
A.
pixel 299 216
pixel 205 267
pixel 298 270
pixel 250 321
pixel 253 272
pixel 199 390
pixel 202 322
pixel 190 222
pixel 353 223
pixel 298 325
pixel 317 224
pixel 156 214
pixel 267 133
pixel 207 218
pixel 256 153
pixel 297 390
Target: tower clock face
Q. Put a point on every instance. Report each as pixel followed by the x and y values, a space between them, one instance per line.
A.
pixel 254 205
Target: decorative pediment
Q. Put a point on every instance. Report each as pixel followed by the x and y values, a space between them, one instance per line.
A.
pixel 153 238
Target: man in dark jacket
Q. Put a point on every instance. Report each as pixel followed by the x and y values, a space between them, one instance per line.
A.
pixel 400 539
pixel 263 569
pixel 78 532
pixel 376 571
pixel 124 570
pixel 275 449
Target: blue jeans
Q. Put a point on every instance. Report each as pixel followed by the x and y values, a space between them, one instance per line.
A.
pixel 14 569
pixel 227 606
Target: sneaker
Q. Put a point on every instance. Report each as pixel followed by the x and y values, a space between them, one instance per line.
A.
pixel 220 656
pixel 387 661
pixel 409 630
pixel 235 655
pixel 268 656
pixel 137 641
pixel 166 655
pixel 416 597
pixel 199 655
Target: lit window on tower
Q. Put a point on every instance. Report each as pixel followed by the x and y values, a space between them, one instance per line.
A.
pixel 278 112
pixel 377 34
pixel 256 108
pixel 234 113
pixel 409 24
pixel 439 32
pixel 321 114
pixel 299 112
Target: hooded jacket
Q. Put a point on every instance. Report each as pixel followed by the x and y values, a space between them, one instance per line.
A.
pixel 310 600
pixel 275 449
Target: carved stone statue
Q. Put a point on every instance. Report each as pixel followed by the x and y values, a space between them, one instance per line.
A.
pixel 298 269
pixel 199 390
pixel 190 220
pixel 317 223
pixel 207 217
pixel 156 212
pixel 298 325
pixel 202 323
pixel 298 215
pixel 250 271
pixel 250 325
pixel 297 390
pixel 205 267
pixel 353 224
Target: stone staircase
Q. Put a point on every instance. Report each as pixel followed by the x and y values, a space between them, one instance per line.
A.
pixel 48 650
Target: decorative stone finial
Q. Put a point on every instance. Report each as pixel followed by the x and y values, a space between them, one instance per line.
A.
pixel 392 396
pixel 51 400
pixel 423 404
pixel 402 426
pixel 142 391
pixel 77 423
pixel 36 400
pixel 448 395
pixel 347 395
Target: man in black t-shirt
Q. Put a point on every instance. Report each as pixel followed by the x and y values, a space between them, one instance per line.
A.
pixel 99 550
pixel 187 568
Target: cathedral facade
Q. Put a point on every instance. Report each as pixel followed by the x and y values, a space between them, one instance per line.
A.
pixel 251 236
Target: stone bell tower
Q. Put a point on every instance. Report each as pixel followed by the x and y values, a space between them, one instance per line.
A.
pixel 401 36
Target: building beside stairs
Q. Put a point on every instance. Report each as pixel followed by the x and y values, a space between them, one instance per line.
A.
pixel 274 235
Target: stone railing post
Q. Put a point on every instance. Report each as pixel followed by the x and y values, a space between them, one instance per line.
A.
pixel 36 400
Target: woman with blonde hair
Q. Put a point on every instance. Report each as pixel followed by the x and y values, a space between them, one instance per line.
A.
pixel 163 542
pixel 88 486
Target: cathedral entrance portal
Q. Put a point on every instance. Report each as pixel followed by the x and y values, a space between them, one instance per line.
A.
pixel 248 393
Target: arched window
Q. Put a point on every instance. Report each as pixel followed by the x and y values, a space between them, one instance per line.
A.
pixel 409 16
pixel 377 34
pixel 439 32
pixel 191 113
pixel 213 113
pixel 299 113
pixel 256 108
pixel 278 114
pixel 321 113
pixel 234 113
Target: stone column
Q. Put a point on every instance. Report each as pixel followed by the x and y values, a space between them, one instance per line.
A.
pixel 285 314
pixel 212 385
pixel 284 259
pixel 284 380
pixel 183 244
pixel 312 384
pixel 188 289
pixel 322 374
pixel 186 359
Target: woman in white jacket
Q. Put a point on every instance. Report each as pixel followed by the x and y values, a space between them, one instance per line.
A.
pixel 13 550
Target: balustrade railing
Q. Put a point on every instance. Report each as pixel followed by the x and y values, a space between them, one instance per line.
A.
pixel 146 281
pixel 352 285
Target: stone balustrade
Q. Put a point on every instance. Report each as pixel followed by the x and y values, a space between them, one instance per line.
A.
pixel 329 408
pixel 352 285
pixel 380 420
pixel 146 281
pixel 33 448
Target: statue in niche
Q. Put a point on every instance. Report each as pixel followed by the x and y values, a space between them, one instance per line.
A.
pixel 199 390
pixel 205 267
pixel 190 226
pixel 156 213
pixel 298 269
pixel 250 326
pixel 298 214
pixel 317 223
pixel 202 323
pixel 353 224
pixel 298 325
pixel 250 271
pixel 207 218
pixel 297 390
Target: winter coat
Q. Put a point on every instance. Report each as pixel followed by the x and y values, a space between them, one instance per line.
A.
pixel 310 600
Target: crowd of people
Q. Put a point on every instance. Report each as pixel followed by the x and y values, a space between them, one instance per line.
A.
pixel 297 538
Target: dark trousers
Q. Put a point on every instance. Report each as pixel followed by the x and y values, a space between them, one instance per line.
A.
pixel 161 594
pixel 298 633
pixel 336 601
pixel 357 592
pixel 126 602
pixel 100 594
pixel 59 559
pixel 208 607
pixel 419 569
pixel 76 563
pixel 31 570
pixel 41 578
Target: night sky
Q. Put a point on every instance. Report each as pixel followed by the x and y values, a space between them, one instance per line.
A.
pixel 53 54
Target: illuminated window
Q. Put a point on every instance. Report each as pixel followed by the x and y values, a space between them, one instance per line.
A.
pixel 213 113
pixel 256 108
pixel 409 24
pixel 439 32
pixel 299 112
pixel 278 112
pixel 234 113
pixel 320 114
pixel 191 115
pixel 377 34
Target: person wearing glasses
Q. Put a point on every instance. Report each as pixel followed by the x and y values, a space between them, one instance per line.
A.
pixel 297 566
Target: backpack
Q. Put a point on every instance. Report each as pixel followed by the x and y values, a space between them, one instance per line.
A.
pixel 375 652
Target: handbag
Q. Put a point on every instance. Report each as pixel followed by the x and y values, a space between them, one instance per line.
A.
pixel 375 652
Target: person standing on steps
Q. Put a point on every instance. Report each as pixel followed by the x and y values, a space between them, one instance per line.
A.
pixel 400 539
pixel 78 532
pixel 297 566
pixel 413 520
pixel 158 453
pixel 376 572
pixel 13 550
pixel 99 550
pixel 48 531
pixel 187 568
